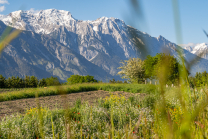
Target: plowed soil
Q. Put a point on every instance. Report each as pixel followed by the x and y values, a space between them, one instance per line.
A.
pixel 59 101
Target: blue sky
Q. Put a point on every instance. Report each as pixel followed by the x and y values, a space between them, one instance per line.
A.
pixel 158 15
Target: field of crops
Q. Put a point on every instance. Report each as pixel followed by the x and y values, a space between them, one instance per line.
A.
pixel 144 113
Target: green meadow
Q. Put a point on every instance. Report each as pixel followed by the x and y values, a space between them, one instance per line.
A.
pixel 151 116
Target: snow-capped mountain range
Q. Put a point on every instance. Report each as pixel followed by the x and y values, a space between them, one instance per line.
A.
pixel 54 43
pixel 200 49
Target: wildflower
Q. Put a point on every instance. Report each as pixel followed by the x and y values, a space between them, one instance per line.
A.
pixel 133 132
pixel 82 125
pixel 78 113
pixel 74 112
pixel 126 114
pixel 78 121
pixel 138 106
pixel 174 109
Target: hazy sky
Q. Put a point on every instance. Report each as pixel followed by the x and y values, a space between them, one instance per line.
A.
pixel 158 15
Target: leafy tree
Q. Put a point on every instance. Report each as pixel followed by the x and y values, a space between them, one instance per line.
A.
pixel 112 81
pixel 21 83
pixel 89 79
pixel 162 67
pixel 52 81
pixel 13 82
pixel 9 83
pixel 200 79
pixel 33 81
pixel 2 82
pixel 73 79
pixel 192 81
pixel 133 70
pixel 42 83
pixel 27 81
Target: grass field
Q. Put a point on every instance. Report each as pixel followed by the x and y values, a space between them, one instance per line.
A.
pixel 56 102
pixel 9 94
pixel 144 113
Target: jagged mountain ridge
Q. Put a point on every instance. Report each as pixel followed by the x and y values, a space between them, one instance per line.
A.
pixel 40 55
pixel 103 43
pixel 104 36
pixel 200 49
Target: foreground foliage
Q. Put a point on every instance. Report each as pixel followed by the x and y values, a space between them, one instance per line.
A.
pixel 115 117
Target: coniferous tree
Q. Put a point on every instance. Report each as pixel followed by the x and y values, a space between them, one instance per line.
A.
pixel 17 85
pixel 2 82
pixel 13 82
pixel 21 83
pixel 42 83
pixel 52 81
pixel 27 81
pixel 33 81
pixel 9 83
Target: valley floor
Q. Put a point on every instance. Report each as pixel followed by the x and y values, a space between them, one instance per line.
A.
pixel 58 101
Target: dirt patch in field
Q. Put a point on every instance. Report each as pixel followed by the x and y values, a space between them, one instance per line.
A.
pixel 58 101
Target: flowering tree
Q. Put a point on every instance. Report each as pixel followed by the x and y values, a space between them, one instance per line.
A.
pixel 132 70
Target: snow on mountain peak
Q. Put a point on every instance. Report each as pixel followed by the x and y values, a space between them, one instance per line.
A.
pixel 38 21
pixel 200 46
pixel 47 21
pixel 198 49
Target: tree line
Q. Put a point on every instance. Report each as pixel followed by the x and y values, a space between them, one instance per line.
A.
pixel 33 82
pixel 162 67
pixel 200 79
pixel 74 79
pixel 27 82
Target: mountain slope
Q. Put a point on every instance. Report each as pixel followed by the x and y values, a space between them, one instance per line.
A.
pixel 105 36
pixel 42 56
pixel 57 43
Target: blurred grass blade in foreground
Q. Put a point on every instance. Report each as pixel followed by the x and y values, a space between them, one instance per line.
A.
pixel 7 37
pixel 134 35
